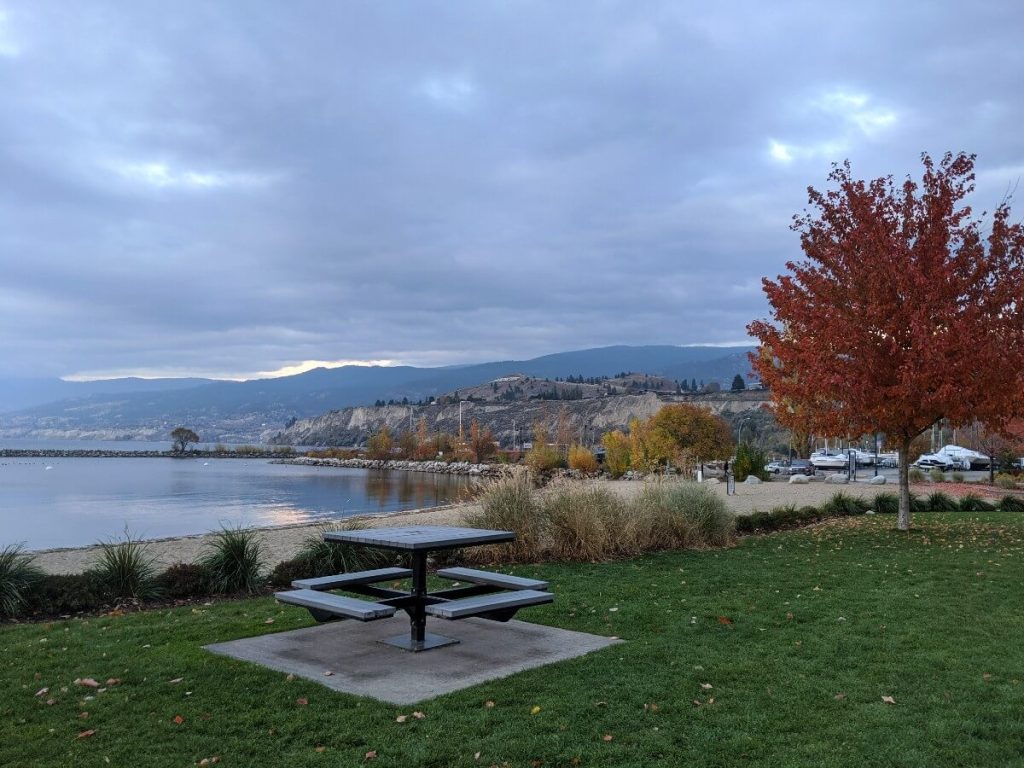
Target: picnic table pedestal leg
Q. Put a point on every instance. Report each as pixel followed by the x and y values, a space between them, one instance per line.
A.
pixel 418 638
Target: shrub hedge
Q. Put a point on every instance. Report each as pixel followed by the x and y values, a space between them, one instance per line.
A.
pixel 842 505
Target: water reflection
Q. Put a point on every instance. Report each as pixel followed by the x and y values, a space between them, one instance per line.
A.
pixel 82 500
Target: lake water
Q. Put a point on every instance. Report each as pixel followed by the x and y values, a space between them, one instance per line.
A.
pixel 58 502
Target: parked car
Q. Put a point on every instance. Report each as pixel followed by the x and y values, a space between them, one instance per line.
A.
pixel 801 467
pixel 777 467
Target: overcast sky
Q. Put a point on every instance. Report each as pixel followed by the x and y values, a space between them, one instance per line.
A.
pixel 234 188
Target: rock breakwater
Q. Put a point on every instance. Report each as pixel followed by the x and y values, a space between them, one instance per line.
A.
pixel 438 467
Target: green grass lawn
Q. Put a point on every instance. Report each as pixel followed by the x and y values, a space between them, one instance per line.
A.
pixel 777 652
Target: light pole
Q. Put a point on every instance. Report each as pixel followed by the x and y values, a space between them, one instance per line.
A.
pixel 739 433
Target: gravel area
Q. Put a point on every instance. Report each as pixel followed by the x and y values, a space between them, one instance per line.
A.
pixel 282 543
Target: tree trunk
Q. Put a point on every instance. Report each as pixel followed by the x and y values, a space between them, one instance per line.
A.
pixel 903 521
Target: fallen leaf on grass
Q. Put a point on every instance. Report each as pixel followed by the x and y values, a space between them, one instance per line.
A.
pixel 50 702
pixel 86 734
pixel 418 715
pixel 888 699
pixel 371 755
pixel 328 673
pixel 401 718
pixel 83 715
pixel 724 620
pixel 476 755
pixel 985 676
pixel 839 696
pixel 175 681
pixel 269 621
pixel 302 701
pixel 321 749
pixel 42 691
pixel 697 703
pixel 210 760
pixel 607 737
pixel 290 678
pixel 489 704
pixel 706 686
pixel 650 707
pixel 178 719
pixel 535 710
pixel 113 681
pixel 88 682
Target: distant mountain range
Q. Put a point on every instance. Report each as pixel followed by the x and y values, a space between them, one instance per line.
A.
pixel 230 411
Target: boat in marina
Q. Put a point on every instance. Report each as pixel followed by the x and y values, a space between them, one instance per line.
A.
pixel 955 457
pixel 829 460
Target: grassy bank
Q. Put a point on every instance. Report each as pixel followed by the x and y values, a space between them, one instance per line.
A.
pixel 799 635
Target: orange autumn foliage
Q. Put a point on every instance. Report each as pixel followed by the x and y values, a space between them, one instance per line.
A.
pixel 903 311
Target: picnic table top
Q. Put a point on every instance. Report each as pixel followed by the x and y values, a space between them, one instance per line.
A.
pixel 421 537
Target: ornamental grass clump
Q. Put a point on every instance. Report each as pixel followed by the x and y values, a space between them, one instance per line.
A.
pixel 326 558
pixel 1011 503
pixel 235 561
pixel 941 502
pixel 887 503
pixel 844 505
pixel 973 503
pixel 510 504
pixel 18 573
pixel 1006 481
pixel 682 514
pixel 126 570
pixel 587 523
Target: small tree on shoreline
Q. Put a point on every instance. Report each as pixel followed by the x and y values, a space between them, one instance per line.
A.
pixel 183 437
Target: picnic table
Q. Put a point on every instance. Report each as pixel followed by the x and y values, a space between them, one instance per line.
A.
pixel 488 595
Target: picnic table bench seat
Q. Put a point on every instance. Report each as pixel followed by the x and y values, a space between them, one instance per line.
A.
pixel 325 606
pixel 491 579
pixel 342 580
pixel 500 606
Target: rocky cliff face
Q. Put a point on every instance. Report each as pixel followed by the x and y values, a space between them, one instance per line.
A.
pixel 511 423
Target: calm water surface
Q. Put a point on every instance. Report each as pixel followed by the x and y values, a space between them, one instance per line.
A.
pixel 71 502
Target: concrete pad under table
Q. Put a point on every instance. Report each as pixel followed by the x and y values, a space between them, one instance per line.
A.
pixel 363 666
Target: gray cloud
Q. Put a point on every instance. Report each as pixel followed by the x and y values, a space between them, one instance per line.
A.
pixel 232 188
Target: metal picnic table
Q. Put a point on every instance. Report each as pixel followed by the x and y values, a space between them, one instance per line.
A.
pixel 489 595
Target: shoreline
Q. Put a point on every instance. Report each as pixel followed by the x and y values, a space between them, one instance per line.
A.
pixel 284 541
pixel 99 453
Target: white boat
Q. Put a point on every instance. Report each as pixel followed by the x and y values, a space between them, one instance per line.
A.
pixel 937 461
pixel 863 457
pixel 829 460
pixel 964 458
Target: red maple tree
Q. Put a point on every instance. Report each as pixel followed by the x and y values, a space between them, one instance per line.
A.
pixel 901 314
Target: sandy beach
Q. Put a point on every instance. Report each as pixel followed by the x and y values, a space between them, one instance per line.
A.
pixel 282 543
